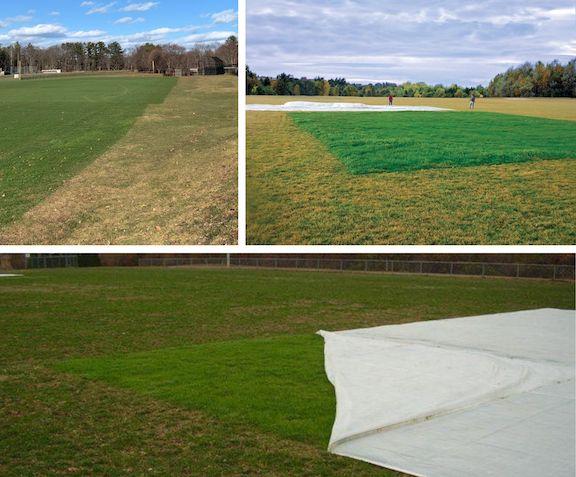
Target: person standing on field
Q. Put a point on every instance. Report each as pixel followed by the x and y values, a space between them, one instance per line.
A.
pixel 390 100
pixel 472 101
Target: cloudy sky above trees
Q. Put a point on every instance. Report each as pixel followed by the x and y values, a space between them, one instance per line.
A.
pixel 49 22
pixel 447 41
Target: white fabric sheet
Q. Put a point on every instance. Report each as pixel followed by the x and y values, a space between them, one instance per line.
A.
pixel 490 395
pixel 316 106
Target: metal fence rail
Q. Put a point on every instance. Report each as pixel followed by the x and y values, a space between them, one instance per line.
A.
pixel 52 261
pixel 484 269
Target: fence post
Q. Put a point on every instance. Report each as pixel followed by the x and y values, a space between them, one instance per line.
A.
pixel 451 268
pixel 517 270
pixel 420 267
pixel 341 264
pixel 483 269
pixel 318 264
pixel 554 273
pixel 275 263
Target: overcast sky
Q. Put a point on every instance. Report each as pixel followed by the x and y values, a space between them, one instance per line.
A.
pixel 49 22
pixel 398 40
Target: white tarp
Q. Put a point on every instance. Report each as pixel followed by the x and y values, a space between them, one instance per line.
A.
pixel 315 106
pixel 489 395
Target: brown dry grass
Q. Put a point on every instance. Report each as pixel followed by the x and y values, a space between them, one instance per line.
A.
pixel 554 108
pixel 171 180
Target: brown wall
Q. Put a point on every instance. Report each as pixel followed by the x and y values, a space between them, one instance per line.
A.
pixel 12 261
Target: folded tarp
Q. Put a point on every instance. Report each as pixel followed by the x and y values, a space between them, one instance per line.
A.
pixel 489 395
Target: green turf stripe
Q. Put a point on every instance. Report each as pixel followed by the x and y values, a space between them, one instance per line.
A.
pixel 410 141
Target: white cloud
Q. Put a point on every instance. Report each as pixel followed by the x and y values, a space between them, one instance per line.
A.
pixel 208 37
pixel 43 30
pixel 86 34
pixel 462 41
pixel 87 4
pixel 226 16
pixel 48 31
pixel 18 19
pixel 129 20
pixel 3 24
pixel 165 31
pixel 139 7
pixel 102 9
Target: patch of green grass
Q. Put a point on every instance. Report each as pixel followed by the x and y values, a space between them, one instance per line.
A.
pixel 276 384
pixel 410 141
pixel 299 193
pixel 200 371
pixel 53 128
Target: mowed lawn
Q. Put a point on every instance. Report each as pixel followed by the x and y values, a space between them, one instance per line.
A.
pixel 200 371
pixel 52 128
pixel 346 178
pixel 171 179
pixel 409 141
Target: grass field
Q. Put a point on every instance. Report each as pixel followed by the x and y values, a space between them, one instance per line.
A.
pixel 376 142
pixel 121 160
pixel 55 127
pixel 553 108
pixel 307 180
pixel 200 372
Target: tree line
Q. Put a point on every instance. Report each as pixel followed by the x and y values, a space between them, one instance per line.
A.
pixel 538 79
pixel 99 56
pixel 552 79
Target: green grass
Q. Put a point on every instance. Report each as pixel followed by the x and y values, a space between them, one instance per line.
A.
pixel 410 141
pixel 242 381
pixel 51 129
pixel 200 372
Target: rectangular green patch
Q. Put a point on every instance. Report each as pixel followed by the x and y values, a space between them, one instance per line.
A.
pixel 409 141
pixel 52 128
pixel 276 384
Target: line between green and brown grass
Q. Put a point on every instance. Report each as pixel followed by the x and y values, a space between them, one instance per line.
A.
pixel 171 180
pixel 54 128
pixel 299 193
pixel 180 371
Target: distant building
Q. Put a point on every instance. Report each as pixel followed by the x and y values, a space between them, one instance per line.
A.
pixel 211 65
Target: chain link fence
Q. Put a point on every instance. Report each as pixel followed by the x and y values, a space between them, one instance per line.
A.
pixel 484 269
pixel 51 261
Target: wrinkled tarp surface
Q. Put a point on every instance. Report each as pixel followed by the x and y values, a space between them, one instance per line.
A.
pixel 489 395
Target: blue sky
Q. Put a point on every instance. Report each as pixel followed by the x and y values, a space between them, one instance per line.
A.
pixel 49 22
pixel 446 41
